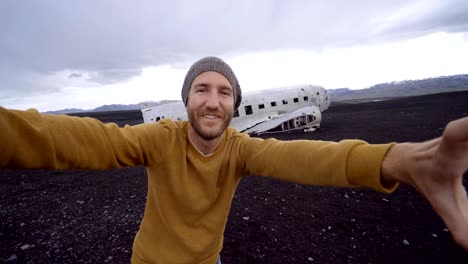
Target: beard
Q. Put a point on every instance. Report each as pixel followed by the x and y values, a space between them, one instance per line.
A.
pixel 208 133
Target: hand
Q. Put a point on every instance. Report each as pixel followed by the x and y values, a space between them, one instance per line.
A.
pixel 435 168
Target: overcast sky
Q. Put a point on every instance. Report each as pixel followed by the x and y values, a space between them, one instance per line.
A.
pixel 83 54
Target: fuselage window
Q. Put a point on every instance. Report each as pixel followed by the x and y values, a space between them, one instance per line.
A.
pixel 273 104
pixel 236 113
pixel 285 102
pixel 248 110
pixel 296 100
pixel 306 98
pixel 261 106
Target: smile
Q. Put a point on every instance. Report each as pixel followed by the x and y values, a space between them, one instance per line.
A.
pixel 210 116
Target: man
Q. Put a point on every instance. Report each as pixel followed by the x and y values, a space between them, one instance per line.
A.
pixel 194 167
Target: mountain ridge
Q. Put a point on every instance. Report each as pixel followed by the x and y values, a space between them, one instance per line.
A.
pixel 394 89
pixel 405 88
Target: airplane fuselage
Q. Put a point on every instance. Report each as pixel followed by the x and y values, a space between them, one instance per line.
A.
pixel 257 106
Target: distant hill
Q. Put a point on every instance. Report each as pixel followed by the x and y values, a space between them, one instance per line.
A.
pixel 404 88
pixel 383 90
pixel 104 108
pixel 110 108
pixel 66 111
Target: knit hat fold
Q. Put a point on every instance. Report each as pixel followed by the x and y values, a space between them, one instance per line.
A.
pixel 212 64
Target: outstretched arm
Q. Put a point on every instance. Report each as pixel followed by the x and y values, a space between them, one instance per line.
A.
pixel 31 140
pixel 435 168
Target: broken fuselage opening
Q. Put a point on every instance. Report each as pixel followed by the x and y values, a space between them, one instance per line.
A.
pixel 298 123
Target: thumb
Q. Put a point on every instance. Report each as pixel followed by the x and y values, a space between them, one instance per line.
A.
pixel 453 151
pixel 456 131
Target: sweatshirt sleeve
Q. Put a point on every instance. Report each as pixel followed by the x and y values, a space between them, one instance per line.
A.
pixel 32 140
pixel 347 163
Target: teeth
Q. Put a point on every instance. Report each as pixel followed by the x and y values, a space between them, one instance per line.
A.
pixel 209 116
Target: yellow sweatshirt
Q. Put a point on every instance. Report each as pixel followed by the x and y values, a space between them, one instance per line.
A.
pixel 189 194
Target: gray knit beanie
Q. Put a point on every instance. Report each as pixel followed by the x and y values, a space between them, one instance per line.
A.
pixel 212 64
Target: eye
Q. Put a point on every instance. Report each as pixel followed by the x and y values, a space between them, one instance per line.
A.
pixel 226 92
pixel 200 90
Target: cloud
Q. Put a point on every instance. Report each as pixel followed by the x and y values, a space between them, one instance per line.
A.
pixel 425 17
pixel 105 42
pixel 19 83
pixel 112 76
pixel 75 75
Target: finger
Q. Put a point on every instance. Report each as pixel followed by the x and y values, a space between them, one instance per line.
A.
pixel 457 130
pixel 453 151
pixel 459 229
pixel 452 205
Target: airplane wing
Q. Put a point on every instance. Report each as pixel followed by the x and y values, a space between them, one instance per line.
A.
pixel 306 118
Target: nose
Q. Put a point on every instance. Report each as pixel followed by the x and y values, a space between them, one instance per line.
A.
pixel 212 100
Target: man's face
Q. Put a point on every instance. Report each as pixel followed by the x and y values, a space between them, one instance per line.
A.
pixel 210 105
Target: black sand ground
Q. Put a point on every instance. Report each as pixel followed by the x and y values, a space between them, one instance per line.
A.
pixel 92 216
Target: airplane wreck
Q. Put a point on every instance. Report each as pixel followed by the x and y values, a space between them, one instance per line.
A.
pixel 265 111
